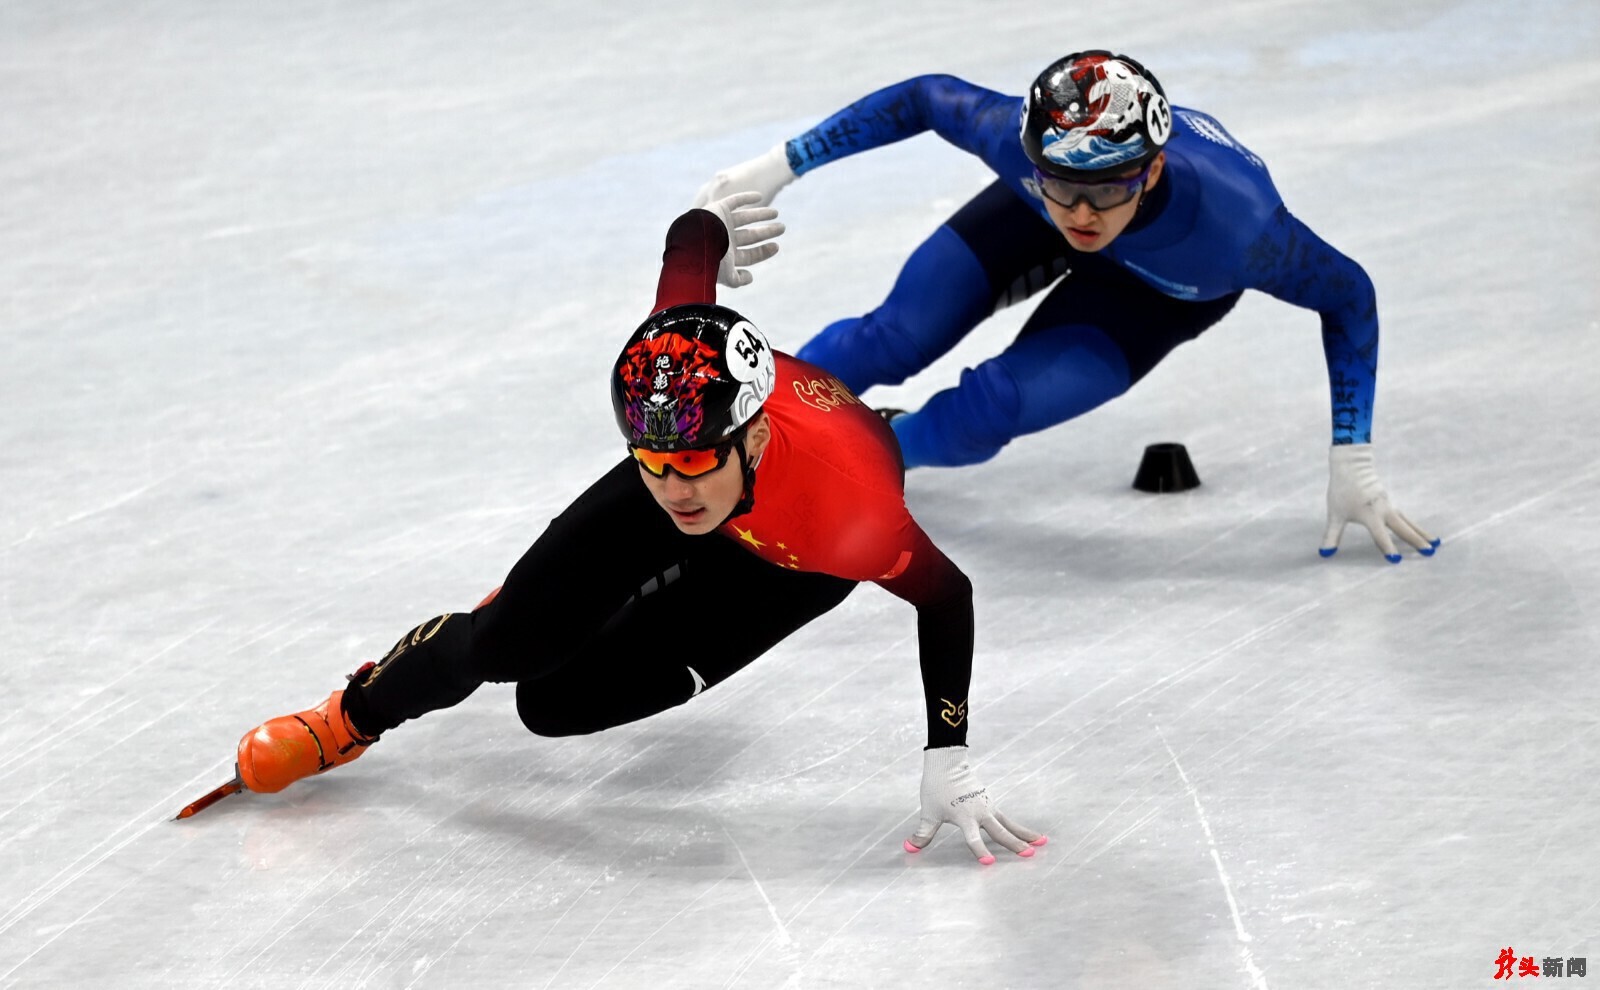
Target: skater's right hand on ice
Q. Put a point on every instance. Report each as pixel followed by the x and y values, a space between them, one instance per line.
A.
pixel 748 227
pixel 765 175
pixel 951 793
pixel 1355 495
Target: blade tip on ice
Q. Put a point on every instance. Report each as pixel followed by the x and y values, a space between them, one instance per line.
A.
pixel 233 786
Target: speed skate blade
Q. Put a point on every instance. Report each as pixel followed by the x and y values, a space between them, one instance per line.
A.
pixel 233 786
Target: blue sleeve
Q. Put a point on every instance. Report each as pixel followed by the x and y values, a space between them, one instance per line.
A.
pixel 972 118
pixel 1291 263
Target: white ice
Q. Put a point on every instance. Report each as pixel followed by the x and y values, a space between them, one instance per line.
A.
pixel 306 311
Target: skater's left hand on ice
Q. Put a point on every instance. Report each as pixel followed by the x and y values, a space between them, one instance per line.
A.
pixel 951 793
pixel 1355 495
pixel 747 229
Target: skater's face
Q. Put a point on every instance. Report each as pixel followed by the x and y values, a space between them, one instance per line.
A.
pixel 1088 229
pixel 698 505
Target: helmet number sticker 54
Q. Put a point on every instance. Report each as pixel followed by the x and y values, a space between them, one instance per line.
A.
pixel 747 343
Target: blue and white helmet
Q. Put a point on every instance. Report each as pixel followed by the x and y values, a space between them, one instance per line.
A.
pixel 1094 115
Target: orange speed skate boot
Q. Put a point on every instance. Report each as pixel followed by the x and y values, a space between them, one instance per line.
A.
pixel 283 750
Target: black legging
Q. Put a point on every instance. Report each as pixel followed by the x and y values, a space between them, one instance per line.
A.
pixel 607 619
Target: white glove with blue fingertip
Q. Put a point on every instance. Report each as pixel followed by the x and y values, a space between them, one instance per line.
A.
pixel 1355 495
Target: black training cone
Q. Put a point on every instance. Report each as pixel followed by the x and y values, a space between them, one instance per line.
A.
pixel 1166 468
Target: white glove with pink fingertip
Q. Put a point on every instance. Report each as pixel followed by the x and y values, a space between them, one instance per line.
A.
pixel 951 793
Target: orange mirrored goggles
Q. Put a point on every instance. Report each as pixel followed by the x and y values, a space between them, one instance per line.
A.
pixel 686 463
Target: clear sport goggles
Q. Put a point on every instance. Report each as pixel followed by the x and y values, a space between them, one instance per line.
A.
pixel 1102 195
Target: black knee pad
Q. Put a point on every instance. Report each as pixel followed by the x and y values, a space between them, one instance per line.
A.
pixel 549 713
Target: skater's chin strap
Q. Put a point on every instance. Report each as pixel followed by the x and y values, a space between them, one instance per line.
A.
pixel 747 467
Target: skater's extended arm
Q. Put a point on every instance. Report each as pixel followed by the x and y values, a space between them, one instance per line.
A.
pixel 1292 263
pixel 942 595
pixel 710 245
pixel 951 792
pixel 1289 261
pixel 974 119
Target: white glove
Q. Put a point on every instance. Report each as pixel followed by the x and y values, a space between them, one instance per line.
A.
pixel 765 175
pixel 951 793
pixel 738 214
pixel 1355 495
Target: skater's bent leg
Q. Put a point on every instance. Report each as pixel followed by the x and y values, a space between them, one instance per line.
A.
pixel 1097 333
pixel 611 542
pixel 939 296
pixel 994 251
pixel 649 661
pixel 1042 379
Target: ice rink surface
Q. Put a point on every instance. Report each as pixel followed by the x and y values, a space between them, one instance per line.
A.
pixel 306 313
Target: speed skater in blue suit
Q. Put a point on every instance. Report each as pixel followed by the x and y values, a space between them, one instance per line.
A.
pixel 1144 221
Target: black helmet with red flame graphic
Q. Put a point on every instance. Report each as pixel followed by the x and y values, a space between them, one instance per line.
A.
pixel 690 377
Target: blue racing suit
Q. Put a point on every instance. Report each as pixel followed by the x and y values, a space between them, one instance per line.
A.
pixel 1212 227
